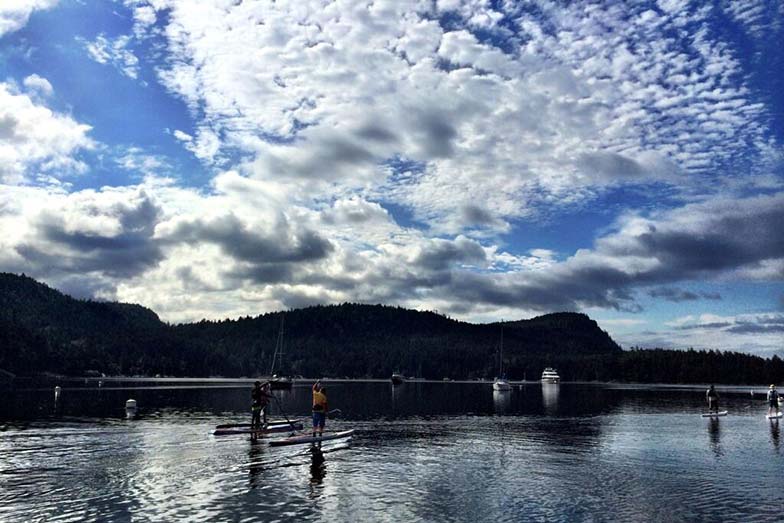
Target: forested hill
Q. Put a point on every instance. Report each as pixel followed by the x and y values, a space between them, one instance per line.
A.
pixel 43 330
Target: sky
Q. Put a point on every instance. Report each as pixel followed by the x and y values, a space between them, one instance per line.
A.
pixel 489 160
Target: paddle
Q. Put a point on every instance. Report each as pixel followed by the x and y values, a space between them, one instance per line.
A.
pixel 283 412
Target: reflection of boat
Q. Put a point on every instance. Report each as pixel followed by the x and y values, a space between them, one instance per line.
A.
pixel 501 401
pixel 501 384
pixel 397 378
pixel 550 398
pixel 550 375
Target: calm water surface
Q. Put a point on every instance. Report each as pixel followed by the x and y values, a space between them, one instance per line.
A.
pixel 422 452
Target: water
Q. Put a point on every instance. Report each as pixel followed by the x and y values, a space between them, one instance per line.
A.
pixel 422 452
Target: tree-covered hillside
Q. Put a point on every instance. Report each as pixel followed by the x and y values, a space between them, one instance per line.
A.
pixel 42 330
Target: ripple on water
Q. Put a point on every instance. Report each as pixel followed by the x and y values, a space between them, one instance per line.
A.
pixel 627 462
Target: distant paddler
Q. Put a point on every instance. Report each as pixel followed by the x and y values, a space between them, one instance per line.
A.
pixel 260 394
pixel 773 401
pixel 319 408
pixel 713 399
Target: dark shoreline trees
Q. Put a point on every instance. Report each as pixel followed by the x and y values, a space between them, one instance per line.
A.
pixel 43 330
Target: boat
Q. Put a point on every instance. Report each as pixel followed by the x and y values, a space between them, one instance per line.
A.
pixel 299 440
pixel 501 384
pixel 279 382
pixel 245 428
pixel 550 375
pixel 397 378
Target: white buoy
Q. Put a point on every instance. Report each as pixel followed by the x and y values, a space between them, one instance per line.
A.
pixel 130 408
pixel 57 391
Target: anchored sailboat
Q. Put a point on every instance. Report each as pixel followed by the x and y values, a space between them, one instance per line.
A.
pixel 278 382
pixel 501 383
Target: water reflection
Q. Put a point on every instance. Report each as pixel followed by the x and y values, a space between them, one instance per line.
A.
pixel 714 435
pixel 255 463
pixel 774 434
pixel 611 454
pixel 502 399
pixel 550 393
pixel 318 466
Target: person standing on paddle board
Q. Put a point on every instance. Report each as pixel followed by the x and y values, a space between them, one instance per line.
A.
pixel 319 408
pixel 713 399
pixel 773 401
pixel 260 396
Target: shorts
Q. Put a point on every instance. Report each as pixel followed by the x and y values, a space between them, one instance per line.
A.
pixel 319 419
pixel 772 403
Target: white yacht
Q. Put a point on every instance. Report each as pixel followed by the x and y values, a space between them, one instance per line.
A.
pixel 550 376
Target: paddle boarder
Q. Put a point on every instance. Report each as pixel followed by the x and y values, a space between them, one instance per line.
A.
pixel 319 408
pixel 713 399
pixel 260 394
pixel 773 401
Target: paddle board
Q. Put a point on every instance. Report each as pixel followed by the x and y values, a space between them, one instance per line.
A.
pixel 298 440
pixel 271 429
pixel 714 414
pixel 248 425
pixel 774 416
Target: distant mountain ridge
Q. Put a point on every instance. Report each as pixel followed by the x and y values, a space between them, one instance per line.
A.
pixel 43 330
pixel 73 335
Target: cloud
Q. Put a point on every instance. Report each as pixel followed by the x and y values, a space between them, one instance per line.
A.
pixel 34 140
pixel 14 14
pixel 262 253
pixel 559 105
pixel 106 234
pixel 114 52
pixel 680 295
pixel 39 85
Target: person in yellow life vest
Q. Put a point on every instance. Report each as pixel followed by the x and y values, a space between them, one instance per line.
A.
pixel 319 408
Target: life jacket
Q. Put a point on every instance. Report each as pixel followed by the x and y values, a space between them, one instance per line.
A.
pixel 319 401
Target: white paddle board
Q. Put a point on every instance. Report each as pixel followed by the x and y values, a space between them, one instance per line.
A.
pixel 714 414
pixel 774 416
pixel 298 440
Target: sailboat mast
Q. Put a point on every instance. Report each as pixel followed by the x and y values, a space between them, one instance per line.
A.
pixel 278 346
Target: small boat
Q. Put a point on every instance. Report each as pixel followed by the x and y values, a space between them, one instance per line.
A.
pixel 550 375
pixel 280 383
pixel 500 384
pixel 397 378
pixel 299 440
pixel 246 429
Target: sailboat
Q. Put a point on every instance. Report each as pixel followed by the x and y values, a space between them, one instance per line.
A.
pixel 278 382
pixel 501 383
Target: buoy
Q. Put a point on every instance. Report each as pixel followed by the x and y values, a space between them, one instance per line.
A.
pixel 130 409
pixel 57 391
